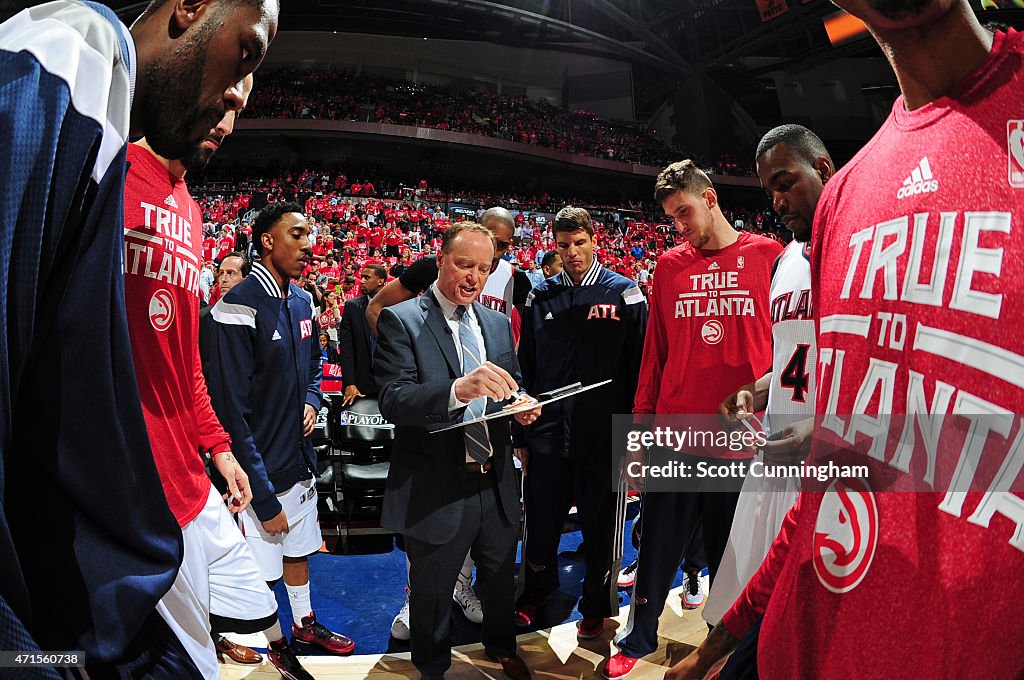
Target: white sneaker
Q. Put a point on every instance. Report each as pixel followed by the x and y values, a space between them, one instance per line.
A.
pixel 695 590
pixel 468 601
pixel 627 576
pixel 400 626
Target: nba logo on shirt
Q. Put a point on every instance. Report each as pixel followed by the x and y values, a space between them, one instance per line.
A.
pixel 306 328
pixel 739 262
pixel 1015 152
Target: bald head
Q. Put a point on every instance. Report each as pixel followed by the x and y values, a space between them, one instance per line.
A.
pixel 503 226
pixel 497 215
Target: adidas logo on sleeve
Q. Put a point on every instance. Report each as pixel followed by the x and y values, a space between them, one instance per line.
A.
pixel 921 181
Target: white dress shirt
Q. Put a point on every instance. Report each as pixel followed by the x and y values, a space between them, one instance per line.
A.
pixel 450 312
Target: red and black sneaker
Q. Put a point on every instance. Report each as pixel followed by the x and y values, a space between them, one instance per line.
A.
pixel 313 632
pixel 590 628
pixel 284 660
pixel 524 615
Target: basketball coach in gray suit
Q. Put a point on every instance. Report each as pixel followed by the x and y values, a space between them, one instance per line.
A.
pixel 443 358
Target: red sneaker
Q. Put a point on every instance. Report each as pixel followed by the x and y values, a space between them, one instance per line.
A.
pixel 525 615
pixel 590 627
pixel 313 632
pixel 619 666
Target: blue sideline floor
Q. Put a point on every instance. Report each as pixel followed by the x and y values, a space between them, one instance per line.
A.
pixel 359 594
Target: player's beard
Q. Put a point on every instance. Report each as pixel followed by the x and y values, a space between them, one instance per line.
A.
pixel 171 112
pixel 198 158
pixel 900 9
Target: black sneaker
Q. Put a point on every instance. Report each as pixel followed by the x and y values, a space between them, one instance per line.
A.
pixel 285 661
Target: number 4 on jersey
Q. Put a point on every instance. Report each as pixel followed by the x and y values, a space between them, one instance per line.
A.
pixel 795 375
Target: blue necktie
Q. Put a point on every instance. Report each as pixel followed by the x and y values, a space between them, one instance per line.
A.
pixel 477 444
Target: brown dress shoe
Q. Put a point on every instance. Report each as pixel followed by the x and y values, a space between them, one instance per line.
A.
pixel 236 653
pixel 514 666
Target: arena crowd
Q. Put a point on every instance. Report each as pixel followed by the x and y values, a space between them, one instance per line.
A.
pixel 163 351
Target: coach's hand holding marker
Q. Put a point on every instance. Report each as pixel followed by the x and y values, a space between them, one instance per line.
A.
pixel 238 482
pixel 494 382
pixel 486 380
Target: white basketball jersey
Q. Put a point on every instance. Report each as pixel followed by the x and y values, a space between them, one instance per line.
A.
pixel 497 292
pixel 794 348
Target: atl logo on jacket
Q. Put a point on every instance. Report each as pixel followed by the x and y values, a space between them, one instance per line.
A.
pixel 604 311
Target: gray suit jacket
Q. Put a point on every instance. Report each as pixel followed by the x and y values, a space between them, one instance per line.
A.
pixel 416 364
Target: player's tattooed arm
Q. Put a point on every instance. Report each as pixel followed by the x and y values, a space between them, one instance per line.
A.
pixel 239 493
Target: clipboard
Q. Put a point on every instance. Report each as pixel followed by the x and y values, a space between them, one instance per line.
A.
pixel 542 399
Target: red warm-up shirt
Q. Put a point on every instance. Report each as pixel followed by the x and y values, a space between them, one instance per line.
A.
pixel 163 240
pixel 917 267
pixel 709 331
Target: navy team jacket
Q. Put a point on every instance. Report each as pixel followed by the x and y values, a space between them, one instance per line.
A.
pixel 264 368
pixel 586 334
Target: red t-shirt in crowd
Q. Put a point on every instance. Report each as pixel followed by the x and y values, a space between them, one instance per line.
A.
pixel 163 228
pixel 332 273
pixel 376 237
pixel 209 243
pixel 917 275
pixel 225 246
pixel 709 330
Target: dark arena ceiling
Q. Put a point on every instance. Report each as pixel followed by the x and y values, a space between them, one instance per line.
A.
pixel 665 41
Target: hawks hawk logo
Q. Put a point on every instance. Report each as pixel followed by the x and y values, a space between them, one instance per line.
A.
pixel 161 310
pixel 845 535
pixel 712 332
